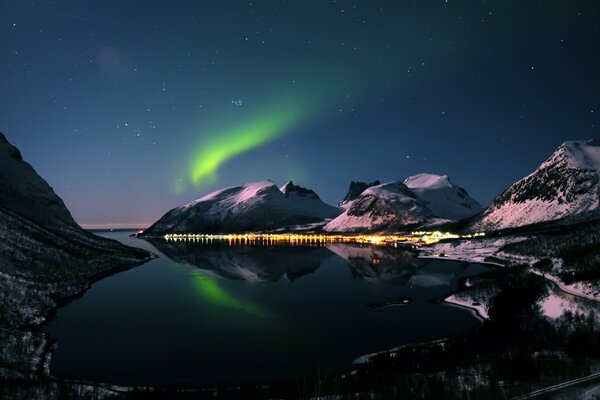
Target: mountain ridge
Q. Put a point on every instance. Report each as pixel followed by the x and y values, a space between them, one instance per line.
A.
pixel 253 206
pixel 565 186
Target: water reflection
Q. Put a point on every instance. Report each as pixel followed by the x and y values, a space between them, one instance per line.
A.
pixel 272 262
pixel 211 313
pixel 209 288
pixel 253 263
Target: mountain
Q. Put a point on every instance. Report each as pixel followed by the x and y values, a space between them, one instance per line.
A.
pixel 387 207
pixel 26 194
pixel 423 199
pixel 442 196
pixel 44 256
pixel 256 206
pixel 565 186
pixel 289 189
pixel 355 189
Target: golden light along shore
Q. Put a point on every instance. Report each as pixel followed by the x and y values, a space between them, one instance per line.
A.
pixel 416 238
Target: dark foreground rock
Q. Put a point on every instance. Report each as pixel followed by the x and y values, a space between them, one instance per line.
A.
pixel 45 260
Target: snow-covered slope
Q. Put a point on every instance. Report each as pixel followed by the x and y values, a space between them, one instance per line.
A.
pixel 355 189
pixel 566 185
pixel 442 197
pixel 386 207
pixel 256 206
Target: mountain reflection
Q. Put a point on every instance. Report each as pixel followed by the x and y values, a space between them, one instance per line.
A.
pixel 253 263
pixel 271 263
pixel 396 265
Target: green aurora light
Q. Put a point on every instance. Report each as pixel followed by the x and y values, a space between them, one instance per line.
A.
pixel 209 289
pixel 222 145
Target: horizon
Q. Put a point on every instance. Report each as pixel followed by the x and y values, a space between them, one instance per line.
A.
pixel 130 109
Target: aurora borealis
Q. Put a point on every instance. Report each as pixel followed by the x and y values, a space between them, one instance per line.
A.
pixel 222 145
pixel 131 108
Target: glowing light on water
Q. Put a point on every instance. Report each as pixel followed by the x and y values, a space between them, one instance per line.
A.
pixel 209 288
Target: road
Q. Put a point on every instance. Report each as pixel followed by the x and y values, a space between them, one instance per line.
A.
pixel 563 287
pixel 590 384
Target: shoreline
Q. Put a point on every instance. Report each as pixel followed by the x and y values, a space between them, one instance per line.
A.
pixel 35 373
pixel 92 279
pixel 561 286
pixel 549 277
pixel 474 310
pixel 45 358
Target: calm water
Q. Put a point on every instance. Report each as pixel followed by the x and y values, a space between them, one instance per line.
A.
pixel 215 313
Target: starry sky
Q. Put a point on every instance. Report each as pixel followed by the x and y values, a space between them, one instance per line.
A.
pixel 130 108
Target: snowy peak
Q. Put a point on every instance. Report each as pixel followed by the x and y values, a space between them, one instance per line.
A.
pixel 425 180
pixel 390 206
pixel 255 206
pixel 355 189
pixel 442 197
pixel 421 199
pixel 582 154
pixel 566 185
pixel 389 189
pixel 238 194
pixel 291 189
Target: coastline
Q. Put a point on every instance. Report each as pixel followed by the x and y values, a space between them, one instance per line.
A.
pixel 37 376
pixel 503 261
pixel 451 299
pixel 94 278
pixel 475 311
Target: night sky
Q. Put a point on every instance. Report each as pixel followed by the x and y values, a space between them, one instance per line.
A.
pixel 130 108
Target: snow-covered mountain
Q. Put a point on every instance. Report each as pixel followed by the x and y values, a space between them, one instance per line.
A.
pixel 442 196
pixel 387 207
pixel 566 185
pixel 423 199
pixel 355 189
pixel 256 206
